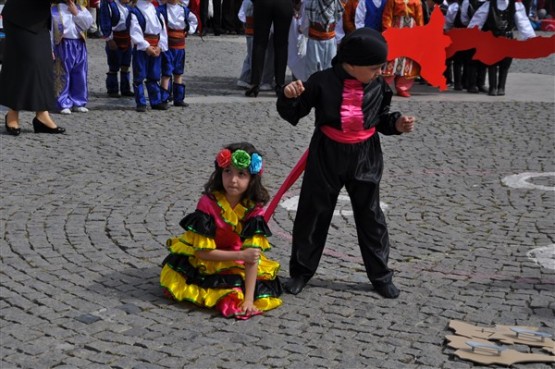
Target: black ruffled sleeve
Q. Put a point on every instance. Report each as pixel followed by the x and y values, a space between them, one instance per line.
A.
pixel 200 223
pixel 255 226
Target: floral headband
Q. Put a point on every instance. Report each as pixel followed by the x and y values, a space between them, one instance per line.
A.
pixel 240 159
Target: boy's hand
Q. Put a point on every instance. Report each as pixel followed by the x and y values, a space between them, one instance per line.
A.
pixel 293 89
pixel 405 124
pixel 152 51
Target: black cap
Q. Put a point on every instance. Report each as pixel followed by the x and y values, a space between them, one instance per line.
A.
pixel 364 46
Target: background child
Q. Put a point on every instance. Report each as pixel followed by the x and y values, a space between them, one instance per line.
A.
pixel 320 18
pixel 69 27
pixel 180 22
pixel 352 103
pixel 113 25
pixel 218 262
pixel 149 39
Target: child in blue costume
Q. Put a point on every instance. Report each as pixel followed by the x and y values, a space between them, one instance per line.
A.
pixel 180 22
pixel 113 25
pixel 352 101
pixel 149 38
pixel 219 261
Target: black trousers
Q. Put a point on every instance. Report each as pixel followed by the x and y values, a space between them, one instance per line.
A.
pixel 330 166
pixel 268 12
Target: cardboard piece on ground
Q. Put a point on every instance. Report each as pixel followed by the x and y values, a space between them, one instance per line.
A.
pixel 487 356
pixel 503 333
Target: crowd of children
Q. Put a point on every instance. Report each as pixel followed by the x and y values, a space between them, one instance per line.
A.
pixel 150 36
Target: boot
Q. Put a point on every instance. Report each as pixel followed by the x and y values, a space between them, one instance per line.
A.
pixel 502 80
pixel 457 76
pixel 140 99
pixel 112 84
pixel 472 78
pixel 154 95
pixel 179 95
pixel 492 77
pixel 124 84
pixel 481 78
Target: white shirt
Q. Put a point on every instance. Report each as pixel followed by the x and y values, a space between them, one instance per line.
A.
pixel 176 18
pixel 360 13
pixel 450 16
pixel 522 22
pixel 154 26
pixel 72 25
pixel 121 26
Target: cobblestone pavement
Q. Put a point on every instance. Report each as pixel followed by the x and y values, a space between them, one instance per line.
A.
pixel 84 217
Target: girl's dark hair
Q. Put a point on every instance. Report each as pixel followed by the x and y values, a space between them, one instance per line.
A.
pixel 255 192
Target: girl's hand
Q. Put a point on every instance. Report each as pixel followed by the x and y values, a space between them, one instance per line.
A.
pixel 405 124
pixel 293 89
pixel 72 8
pixel 251 256
pixel 248 308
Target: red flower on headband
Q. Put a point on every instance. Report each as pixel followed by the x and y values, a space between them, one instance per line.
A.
pixel 223 158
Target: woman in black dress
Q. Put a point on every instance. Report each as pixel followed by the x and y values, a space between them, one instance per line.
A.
pixel 26 78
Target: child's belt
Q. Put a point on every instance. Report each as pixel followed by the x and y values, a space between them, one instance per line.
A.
pixel 318 31
pixel 350 137
pixel 122 39
pixel 176 38
pixel 153 40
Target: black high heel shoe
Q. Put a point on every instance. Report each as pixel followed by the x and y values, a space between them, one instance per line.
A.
pixel 11 130
pixel 253 91
pixel 41 128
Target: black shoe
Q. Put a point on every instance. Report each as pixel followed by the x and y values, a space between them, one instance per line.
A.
pixel 180 103
pixel 458 87
pixel 492 92
pixel 294 285
pixel 500 92
pixel 141 108
pixel 482 89
pixel 128 94
pixel 253 91
pixel 113 94
pixel 161 106
pixel 473 90
pixel 11 130
pixel 41 128
pixel 387 290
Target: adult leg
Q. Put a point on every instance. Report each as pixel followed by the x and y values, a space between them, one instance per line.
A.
pixel 283 15
pixel 262 23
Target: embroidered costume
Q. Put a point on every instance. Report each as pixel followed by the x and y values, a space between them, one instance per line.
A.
pixel 320 17
pixel 349 16
pixel 180 22
pixel 70 52
pixel 220 284
pixel 344 151
pixel 113 26
pixel 502 17
pixel 369 13
pixel 147 28
pixel 402 14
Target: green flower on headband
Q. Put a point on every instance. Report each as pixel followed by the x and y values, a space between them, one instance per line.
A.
pixel 241 159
